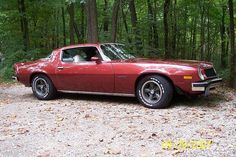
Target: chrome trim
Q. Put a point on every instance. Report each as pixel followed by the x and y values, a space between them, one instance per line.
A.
pixel 150 92
pixel 201 76
pixel 97 93
pixel 81 46
pixel 198 89
pixel 205 85
pixel 60 68
pixel 14 78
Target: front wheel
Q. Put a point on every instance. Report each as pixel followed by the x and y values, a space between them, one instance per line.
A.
pixel 43 87
pixel 154 91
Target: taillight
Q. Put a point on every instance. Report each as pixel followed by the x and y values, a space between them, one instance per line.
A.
pixel 15 69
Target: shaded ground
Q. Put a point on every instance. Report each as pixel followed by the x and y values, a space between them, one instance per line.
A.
pixel 88 125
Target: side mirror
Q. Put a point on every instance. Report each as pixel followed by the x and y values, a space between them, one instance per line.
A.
pixel 96 59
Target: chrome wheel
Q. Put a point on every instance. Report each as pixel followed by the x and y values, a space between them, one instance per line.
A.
pixel 151 92
pixel 154 91
pixel 41 87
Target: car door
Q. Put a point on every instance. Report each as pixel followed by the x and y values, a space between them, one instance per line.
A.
pixel 84 75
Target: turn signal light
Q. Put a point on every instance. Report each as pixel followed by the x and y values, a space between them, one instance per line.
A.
pixel 188 77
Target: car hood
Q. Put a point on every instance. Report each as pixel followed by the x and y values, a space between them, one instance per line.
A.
pixel 190 63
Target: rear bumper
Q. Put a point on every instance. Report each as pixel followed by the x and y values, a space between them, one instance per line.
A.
pixel 14 78
pixel 205 86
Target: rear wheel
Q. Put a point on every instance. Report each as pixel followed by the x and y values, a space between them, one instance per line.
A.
pixel 154 91
pixel 43 87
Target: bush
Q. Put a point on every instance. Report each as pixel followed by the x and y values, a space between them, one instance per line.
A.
pixel 224 73
pixel 6 66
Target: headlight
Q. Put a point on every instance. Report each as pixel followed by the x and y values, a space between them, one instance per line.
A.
pixel 200 73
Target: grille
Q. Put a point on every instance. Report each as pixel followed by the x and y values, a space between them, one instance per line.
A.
pixel 210 72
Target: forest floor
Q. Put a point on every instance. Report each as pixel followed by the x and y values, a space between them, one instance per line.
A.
pixel 88 125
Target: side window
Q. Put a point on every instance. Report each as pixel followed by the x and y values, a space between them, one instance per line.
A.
pixel 66 56
pixel 81 54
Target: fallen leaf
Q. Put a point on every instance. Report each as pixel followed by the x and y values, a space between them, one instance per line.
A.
pixel 113 151
pixel 48 109
pixel 44 155
pixel 87 116
pixel 60 119
pixel 22 130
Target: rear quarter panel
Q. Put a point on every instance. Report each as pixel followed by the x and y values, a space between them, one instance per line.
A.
pixel 24 71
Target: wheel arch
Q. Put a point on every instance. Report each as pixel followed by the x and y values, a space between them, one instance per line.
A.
pixel 37 73
pixel 153 73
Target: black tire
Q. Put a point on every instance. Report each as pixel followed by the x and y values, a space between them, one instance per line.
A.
pixel 48 90
pixel 158 95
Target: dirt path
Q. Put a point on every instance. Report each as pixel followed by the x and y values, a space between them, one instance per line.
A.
pixel 85 125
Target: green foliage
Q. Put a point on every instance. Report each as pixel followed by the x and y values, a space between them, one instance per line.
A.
pixel 6 66
pixel 46 28
pixel 224 73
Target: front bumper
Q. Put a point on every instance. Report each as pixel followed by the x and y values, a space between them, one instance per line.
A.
pixel 206 85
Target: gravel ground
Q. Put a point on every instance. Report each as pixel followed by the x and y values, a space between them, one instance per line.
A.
pixel 85 125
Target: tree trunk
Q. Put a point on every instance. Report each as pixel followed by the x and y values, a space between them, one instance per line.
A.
pixel 166 29
pixel 222 37
pixel 82 28
pixel 115 14
pixel 150 21
pixel 134 22
pixel 202 33
pixel 119 24
pixel 174 28
pixel 227 45
pixel 77 31
pixel 155 32
pixel 232 45
pixel 53 42
pixel 153 38
pixel 106 20
pixel 208 35
pixel 193 46
pixel 71 23
pixel 24 24
pixel 183 51
pixel 46 31
pixel 63 25
pixel 125 25
pixel 92 25
pixel 57 28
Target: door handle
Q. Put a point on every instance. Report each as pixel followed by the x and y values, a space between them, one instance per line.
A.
pixel 60 68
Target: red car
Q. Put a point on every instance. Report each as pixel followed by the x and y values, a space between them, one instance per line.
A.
pixel 109 69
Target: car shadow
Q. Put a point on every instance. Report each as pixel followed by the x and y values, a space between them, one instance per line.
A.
pixel 99 98
pixel 210 101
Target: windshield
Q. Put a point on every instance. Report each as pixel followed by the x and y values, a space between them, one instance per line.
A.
pixel 116 52
pixel 49 56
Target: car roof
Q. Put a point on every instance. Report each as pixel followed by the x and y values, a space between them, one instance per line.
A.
pixel 79 45
pixel 85 44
